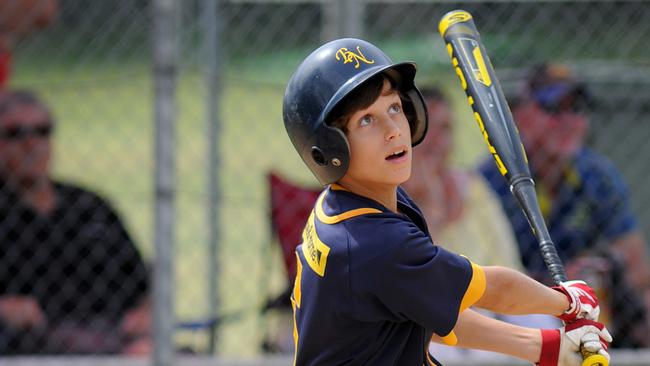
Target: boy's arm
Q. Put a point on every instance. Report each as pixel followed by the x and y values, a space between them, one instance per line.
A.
pixel 548 347
pixel 477 331
pixel 510 292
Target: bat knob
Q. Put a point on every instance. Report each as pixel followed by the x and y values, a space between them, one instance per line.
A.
pixel 594 359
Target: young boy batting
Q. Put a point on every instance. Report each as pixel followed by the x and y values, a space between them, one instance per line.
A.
pixel 372 288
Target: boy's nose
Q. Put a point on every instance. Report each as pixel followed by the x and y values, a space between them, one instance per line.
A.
pixel 392 128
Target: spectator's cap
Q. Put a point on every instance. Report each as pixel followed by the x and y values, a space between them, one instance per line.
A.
pixel 555 89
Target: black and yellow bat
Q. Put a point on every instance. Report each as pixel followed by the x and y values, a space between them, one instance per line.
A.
pixel 477 77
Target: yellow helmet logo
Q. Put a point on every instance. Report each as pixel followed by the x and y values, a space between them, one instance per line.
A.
pixel 350 56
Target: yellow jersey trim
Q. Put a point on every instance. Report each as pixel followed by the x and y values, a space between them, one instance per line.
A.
pixel 474 292
pixel 295 331
pixel 337 187
pixel 297 292
pixel 295 305
pixel 450 339
pixel 329 220
pixel 476 288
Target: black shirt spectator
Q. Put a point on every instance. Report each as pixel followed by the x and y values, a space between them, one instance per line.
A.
pixel 71 279
pixel 79 262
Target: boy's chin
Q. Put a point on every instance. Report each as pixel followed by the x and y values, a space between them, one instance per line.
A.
pixel 401 178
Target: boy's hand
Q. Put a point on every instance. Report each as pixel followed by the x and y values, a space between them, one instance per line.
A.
pixel 561 347
pixel 583 303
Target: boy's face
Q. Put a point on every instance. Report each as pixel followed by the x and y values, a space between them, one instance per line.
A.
pixel 380 142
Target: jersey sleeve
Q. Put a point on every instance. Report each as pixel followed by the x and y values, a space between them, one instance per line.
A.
pixel 420 282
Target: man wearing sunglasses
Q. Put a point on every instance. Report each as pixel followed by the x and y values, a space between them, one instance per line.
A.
pixel 584 200
pixel 71 278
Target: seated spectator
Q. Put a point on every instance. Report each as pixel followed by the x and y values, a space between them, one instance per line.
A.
pixel 583 198
pixel 462 212
pixel 458 205
pixel 71 278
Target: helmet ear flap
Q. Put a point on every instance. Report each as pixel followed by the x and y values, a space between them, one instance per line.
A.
pixel 330 156
pixel 318 156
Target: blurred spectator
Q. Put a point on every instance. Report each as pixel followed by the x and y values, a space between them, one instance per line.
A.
pixel 462 212
pixel 71 279
pixel 17 18
pixel 583 198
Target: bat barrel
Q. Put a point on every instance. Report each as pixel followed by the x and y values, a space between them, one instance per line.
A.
pixel 491 111
pixel 484 94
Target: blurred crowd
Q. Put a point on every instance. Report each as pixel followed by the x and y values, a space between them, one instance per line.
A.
pixel 73 282
pixel 583 197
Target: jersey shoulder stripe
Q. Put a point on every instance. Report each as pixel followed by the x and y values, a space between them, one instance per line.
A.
pixel 334 219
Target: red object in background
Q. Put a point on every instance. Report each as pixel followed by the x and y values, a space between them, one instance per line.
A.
pixel 290 209
pixel 5 68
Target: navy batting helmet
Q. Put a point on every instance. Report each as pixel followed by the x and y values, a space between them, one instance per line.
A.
pixel 322 81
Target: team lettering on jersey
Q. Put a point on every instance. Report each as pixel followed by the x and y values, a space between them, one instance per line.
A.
pixel 314 250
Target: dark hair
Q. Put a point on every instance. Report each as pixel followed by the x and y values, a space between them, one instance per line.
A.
pixel 11 99
pixel 363 96
pixel 359 98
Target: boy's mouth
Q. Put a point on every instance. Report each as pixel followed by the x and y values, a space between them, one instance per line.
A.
pixel 396 155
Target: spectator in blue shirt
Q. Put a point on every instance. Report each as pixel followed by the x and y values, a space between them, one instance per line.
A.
pixel 582 195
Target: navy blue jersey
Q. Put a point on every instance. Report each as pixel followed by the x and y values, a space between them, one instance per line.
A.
pixel 371 286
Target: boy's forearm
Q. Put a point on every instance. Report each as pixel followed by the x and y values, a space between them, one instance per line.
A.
pixel 480 332
pixel 510 292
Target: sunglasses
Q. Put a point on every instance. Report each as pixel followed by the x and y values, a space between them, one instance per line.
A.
pixel 23 133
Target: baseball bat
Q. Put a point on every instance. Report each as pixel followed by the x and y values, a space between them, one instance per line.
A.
pixel 491 111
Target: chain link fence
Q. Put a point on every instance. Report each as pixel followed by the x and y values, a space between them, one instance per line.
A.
pixel 92 66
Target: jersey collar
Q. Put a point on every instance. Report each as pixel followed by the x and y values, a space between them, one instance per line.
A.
pixel 346 213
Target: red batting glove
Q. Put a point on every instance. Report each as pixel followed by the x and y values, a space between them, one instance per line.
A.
pixel 562 346
pixel 582 299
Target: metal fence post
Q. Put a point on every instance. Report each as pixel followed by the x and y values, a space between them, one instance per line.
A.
pixel 212 54
pixel 165 52
pixel 342 18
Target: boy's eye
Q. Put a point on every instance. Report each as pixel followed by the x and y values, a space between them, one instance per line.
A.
pixel 395 108
pixel 365 120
